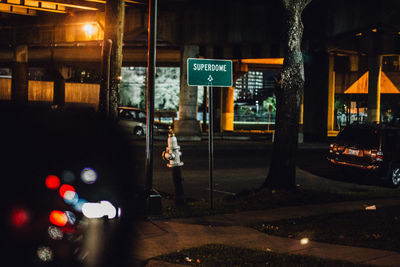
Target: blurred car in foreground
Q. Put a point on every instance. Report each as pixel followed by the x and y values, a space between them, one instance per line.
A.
pixel 133 120
pixel 371 147
pixel 66 177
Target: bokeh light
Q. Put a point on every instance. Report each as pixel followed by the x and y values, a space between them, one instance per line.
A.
pixel 45 254
pixel 19 217
pixel 119 212
pixel 58 218
pixel 71 217
pixel 55 233
pixel 99 210
pixel 79 204
pixel 304 241
pixel 88 176
pixel 109 209
pixel 52 182
pixel 65 188
pixel 68 176
pixel 71 197
pixel 92 210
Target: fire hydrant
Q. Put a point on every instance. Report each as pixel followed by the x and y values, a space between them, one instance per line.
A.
pixel 172 154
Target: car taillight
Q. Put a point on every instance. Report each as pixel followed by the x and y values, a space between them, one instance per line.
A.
pixel 379 156
pixel 331 148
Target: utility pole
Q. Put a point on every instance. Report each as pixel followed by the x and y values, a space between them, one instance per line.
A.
pixel 153 200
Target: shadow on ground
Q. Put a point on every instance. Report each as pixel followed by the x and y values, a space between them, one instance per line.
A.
pixel 315 162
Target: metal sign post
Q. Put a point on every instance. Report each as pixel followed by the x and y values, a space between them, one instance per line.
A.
pixel 210 73
pixel 211 145
pixel 151 68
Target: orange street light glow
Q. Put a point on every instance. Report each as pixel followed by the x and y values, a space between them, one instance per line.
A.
pixel 89 29
pixel 304 241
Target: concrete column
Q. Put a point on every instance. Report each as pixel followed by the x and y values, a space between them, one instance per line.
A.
pixel 227 111
pixel 331 94
pixel 59 90
pixel 354 62
pixel 187 126
pixel 19 81
pixel 374 87
pixel 60 75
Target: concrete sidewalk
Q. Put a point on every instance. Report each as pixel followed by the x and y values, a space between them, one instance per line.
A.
pixel 165 236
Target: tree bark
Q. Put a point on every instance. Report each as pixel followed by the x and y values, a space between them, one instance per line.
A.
pixel 114 30
pixel 289 88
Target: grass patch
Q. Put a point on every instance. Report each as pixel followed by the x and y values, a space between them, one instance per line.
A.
pixel 258 200
pixel 221 255
pixel 378 229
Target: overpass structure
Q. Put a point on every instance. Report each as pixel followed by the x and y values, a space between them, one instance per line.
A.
pixel 348 47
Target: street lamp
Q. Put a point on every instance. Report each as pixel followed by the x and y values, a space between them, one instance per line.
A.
pixel 89 29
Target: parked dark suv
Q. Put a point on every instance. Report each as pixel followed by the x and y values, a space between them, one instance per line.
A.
pixel 372 147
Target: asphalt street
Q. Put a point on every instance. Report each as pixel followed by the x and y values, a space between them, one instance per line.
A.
pixel 238 165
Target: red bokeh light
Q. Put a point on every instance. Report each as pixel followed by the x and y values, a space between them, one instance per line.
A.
pixel 52 182
pixel 19 217
pixel 58 218
pixel 65 188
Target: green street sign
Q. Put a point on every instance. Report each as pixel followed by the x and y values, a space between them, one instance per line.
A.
pixel 209 72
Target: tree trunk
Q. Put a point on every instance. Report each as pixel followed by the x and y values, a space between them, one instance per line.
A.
pixel 113 36
pixel 289 88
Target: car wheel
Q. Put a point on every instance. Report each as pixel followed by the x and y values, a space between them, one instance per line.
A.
pixel 138 131
pixel 394 175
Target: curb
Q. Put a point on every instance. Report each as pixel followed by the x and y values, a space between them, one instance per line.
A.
pixel 157 263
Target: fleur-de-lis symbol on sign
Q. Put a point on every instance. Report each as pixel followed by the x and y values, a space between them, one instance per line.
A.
pixel 210 78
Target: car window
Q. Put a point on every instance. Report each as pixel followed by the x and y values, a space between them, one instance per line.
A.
pixel 127 114
pixel 360 136
pixel 123 114
pixel 132 114
pixel 142 115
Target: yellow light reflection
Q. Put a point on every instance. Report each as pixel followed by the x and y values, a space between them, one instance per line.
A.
pixel 272 61
pixel 304 241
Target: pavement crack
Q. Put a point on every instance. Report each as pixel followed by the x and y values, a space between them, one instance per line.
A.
pixel 159 227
